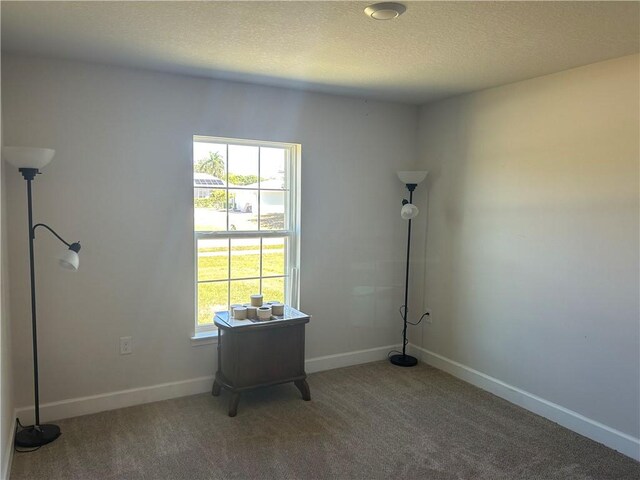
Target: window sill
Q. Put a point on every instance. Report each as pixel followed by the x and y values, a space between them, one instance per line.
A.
pixel 204 338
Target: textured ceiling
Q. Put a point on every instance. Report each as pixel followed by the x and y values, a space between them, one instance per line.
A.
pixel 434 50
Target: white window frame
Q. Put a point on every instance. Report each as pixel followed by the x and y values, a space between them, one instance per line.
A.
pixel 292 233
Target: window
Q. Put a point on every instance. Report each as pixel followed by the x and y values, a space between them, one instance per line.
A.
pixel 246 223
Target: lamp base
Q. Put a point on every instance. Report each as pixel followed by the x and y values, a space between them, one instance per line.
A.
pixel 403 360
pixel 32 436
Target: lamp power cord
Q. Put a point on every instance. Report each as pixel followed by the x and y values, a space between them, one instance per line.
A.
pixel 401 311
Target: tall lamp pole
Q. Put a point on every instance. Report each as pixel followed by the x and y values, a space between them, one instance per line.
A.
pixel 29 162
pixel 409 211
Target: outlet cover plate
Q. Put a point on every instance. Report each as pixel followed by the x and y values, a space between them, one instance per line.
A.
pixel 126 345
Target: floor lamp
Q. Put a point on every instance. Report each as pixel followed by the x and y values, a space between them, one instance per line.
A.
pixel 29 161
pixel 409 211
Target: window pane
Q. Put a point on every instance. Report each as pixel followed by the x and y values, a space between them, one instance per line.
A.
pixel 212 297
pixel 213 259
pixel 272 215
pixel 209 180
pixel 210 159
pixel 245 258
pixel 243 165
pixel 244 213
pixel 273 168
pixel 241 290
pixel 273 256
pixel 210 214
pixel 273 289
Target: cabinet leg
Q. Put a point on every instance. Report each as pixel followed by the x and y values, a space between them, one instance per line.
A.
pixel 215 390
pixel 303 386
pixel 233 404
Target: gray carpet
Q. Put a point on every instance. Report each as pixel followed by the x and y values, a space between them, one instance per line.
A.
pixel 369 421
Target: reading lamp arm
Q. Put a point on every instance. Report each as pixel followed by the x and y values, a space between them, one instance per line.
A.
pixel 72 246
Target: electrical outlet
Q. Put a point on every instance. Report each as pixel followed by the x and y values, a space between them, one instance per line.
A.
pixel 428 318
pixel 126 345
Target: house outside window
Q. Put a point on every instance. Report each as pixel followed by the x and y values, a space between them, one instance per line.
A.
pixel 246 223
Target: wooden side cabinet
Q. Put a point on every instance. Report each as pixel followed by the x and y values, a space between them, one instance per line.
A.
pixel 254 354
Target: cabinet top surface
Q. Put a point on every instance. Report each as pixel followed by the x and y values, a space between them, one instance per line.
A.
pixel 291 315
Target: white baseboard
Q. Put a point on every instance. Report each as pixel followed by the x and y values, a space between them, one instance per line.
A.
pixel 329 362
pixel 592 429
pixel 75 407
pixel 612 438
pixel 7 459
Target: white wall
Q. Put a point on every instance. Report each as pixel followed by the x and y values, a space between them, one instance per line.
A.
pixel 6 372
pixel 532 241
pixel 121 184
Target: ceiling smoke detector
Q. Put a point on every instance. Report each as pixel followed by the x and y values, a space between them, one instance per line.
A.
pixel 385 10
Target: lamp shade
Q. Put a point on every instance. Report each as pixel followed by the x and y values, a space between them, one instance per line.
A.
pixel 412 177
pixel 28 157
pixel 409 211
pixel 70 259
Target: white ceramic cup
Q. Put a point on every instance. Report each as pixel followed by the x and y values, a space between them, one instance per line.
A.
pixel 264 313
pixel 277 308
pixel 240 313
pixel 231 307
pixel 256 300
